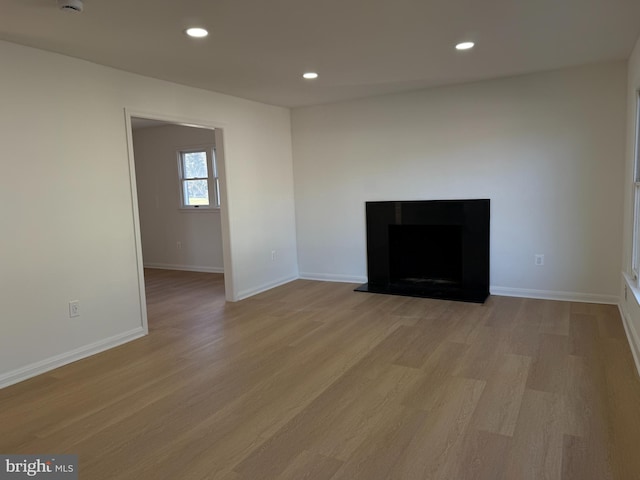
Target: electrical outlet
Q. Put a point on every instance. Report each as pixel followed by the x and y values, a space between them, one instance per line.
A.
pixel 74 308
pixel 273 255
pixel 179 245
pixel 539 259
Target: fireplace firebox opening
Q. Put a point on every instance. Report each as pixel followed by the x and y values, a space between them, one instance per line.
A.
pixel 430 248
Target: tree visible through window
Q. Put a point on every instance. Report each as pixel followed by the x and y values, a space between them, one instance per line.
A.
pixel 199 184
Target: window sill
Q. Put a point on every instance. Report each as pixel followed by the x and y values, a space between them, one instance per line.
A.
pixel 633 286
pixel 199 210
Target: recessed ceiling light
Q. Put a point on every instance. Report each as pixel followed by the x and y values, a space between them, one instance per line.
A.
pixel 464 45
pixel 310 75
pixel 74 6
pixel 197 32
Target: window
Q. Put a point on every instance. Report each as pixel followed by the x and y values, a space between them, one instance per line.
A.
pixel 636 196
pixel 199 184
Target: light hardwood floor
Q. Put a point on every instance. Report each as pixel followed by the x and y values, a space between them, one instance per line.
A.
pixel 314 381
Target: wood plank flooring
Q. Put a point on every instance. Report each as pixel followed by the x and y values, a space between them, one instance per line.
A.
pixel 314 381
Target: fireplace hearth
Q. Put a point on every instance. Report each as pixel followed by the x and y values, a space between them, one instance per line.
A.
pixel 430 248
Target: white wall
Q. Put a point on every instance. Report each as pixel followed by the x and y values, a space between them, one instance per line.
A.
pixel 162 223
pixel 630 306
pixel 66 207
pixel 547 149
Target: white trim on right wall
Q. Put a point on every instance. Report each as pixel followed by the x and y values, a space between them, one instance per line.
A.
pixel 629 307
pixel 632 337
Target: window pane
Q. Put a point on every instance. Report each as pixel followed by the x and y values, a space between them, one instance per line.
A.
pixel 195 164
pixel 196 192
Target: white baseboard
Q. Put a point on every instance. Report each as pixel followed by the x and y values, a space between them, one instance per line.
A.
pixel 250 292
pixel 184 268
pixel 56 361
pixel 554 295
pixel 632 337
pixel 628 307
pixel 328 277
pixel 495 290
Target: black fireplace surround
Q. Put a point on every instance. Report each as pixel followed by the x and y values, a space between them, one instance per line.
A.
pixel 430 248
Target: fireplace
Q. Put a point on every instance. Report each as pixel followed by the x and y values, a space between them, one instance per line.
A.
pixel 433 248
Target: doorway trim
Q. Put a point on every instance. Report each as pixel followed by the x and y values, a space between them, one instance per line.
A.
pixel 219 132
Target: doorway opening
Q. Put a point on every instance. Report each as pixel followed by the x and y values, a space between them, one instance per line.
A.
pixel 179 196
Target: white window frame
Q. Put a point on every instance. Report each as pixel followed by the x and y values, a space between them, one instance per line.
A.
pixel 635 255
pixel 213 181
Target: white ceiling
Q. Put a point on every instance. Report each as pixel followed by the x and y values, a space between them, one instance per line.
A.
pixel 258 49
